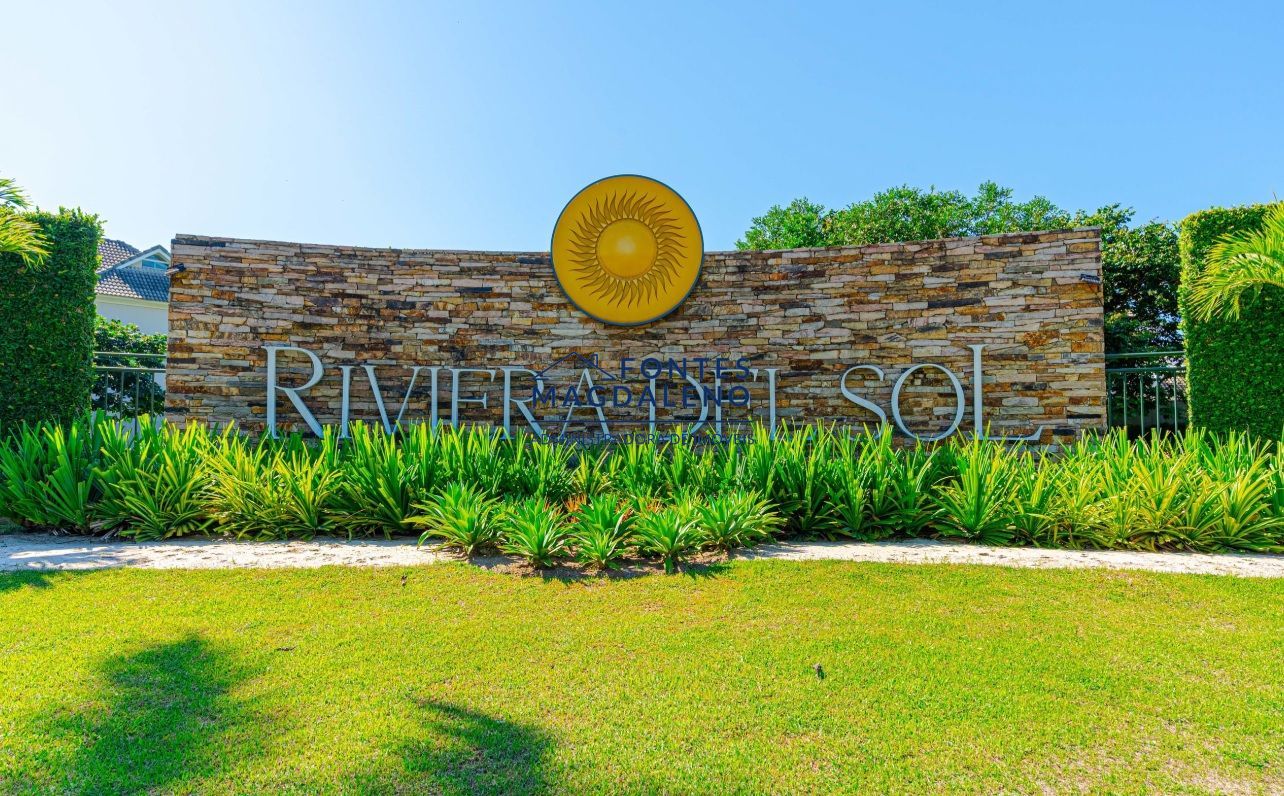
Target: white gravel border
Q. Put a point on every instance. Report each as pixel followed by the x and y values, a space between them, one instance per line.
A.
pixel 41 552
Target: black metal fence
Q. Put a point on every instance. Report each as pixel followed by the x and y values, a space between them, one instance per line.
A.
pixel 1146 391
pixel 129 383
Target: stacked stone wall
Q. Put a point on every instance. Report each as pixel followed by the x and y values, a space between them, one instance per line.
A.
pixel 802 318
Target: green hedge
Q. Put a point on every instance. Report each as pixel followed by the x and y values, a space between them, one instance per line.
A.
pixel 47 333
pixel 1235 369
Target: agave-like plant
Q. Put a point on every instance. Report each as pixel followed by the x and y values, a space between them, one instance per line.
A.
pixel 603 532
pixel 154 480
pixel 593 473
pixel 47 475
pixel 671 533
pixel 804 471
pixel 535 531
pixel 248 495
pixel 1150 509
pixel 1240 265
pixel 478 456
pixel 1035 488
pixel 462 516
pixel 639 470
pixel 899 485
pixel 738 519
pixel 980 503
pixel 307 483
pixel 540 469
pixel 382 480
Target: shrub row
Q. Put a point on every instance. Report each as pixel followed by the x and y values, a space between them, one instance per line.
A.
pixel 475 489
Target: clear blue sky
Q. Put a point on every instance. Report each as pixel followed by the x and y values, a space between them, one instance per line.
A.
pixel 470 125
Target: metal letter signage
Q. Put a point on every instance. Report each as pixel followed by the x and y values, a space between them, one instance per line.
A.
pixel 627 250
pixel 628 396
pixel 874 336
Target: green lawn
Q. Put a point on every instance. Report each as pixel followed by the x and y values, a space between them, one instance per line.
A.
pixel 968 679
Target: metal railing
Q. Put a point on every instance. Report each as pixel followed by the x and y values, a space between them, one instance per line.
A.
pixel 129 383
pixel 1146 391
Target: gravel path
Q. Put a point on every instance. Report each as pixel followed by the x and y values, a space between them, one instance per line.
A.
pixel 25 551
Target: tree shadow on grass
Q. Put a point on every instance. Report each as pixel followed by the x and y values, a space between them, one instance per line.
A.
pixel 462 751
pixel 14 581
pixel 168 712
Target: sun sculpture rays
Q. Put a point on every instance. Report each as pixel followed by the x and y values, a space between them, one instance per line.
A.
pixel 627 250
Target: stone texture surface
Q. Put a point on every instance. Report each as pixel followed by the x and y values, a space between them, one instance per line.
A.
pixel 1033 299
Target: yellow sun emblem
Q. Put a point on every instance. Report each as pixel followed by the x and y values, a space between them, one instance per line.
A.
pixel 627 250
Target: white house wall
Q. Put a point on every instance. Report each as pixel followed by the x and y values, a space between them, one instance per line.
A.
pixel 152 317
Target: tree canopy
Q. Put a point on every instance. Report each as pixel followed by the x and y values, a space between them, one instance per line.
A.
pixel 1140 264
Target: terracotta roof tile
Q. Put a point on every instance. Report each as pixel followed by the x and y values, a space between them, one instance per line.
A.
pixel 114 252
pixel 147 284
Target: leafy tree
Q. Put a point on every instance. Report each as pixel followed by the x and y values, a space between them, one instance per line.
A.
pixel 19 235
pixel 907 213
pixel 126 386
pixel 1240 263
pixel 802 225
pixel 1140 265
pixel 114 335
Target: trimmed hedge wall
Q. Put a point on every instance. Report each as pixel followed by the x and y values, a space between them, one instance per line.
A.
pixel 47 323
pixel 1235 369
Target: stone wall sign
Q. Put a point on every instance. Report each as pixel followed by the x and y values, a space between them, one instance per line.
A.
pixel 1001 334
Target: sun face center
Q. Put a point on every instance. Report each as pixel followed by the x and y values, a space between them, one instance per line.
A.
pixel 627 248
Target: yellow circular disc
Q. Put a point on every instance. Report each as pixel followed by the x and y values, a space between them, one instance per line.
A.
pixel 627 250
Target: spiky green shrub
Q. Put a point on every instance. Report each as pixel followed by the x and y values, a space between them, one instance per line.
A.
pixel 670 533
pixel 1195 492
pixel 535 531
pixel 383 477
pixel 47 475
pixel 1192 495
pixel 640 470
pixel 308 485
pixel 477 456
pixel 1034 492
pixel 979 503
pixel 603 532
pixel 539 470
pixel 155 480
pixel 796 471
pixel 736 519
pixel 689 465
pixel 880 491
pixel 594 473
pixel 461 516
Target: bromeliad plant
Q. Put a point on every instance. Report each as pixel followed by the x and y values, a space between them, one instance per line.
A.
pixel 603 532
pixel 462 516
pixel 47 476
pixel 383 477
pixel 155 482
pixel 671 533
pixel 979 503
pixel 738 519
pixel 535 531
